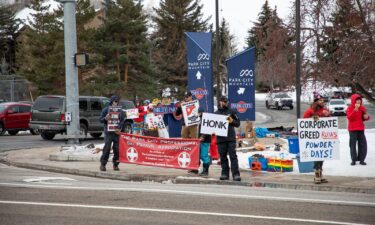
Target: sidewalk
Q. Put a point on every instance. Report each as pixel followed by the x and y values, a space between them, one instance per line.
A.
pixel 39 159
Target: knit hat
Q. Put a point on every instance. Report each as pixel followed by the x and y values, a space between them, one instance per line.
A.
pixel 223 99
pixel 317 97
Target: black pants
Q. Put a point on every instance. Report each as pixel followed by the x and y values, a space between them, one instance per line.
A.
pixel 110 137
pixel 226 148
pixel 318 165
pixel 362 145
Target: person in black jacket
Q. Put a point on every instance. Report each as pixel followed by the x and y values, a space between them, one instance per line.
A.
pixel 227 145
pixel 111 136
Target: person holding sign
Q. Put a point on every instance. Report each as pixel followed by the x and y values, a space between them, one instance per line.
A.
pixel 110 136
pixel 356 114
pixel 317 110
pixel 227 145
pixel 187 131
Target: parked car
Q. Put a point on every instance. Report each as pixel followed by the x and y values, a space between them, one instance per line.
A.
pixel 48 115
pixel 126 104
pixel 15 117
pixel 279 100
pixel 337 107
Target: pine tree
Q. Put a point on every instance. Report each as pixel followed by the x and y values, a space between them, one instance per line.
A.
pixel 8 28
pixel 40 54
pixel 227 49
pixel 122 51
pixel 259 31
pixel 274 52
pixel 174 18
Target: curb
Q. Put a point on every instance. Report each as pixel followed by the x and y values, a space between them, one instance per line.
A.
pixel 190 180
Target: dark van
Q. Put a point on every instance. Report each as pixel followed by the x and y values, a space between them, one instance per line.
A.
pixel 48 115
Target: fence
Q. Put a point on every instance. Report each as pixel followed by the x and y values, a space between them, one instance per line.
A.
pixel 14 89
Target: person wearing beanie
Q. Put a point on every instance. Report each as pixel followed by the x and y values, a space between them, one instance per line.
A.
pixel 316 111
pixel 111 137
pixel 356 115
pixel 227 145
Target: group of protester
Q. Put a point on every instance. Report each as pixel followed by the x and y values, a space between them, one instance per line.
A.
pixel 356 115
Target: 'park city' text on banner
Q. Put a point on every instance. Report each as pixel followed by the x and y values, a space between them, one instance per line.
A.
pixel 162 152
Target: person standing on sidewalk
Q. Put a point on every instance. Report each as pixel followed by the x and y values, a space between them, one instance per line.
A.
pixel 204 148
pixel 356 114
pixel 227 145
pixel 187 131
pixel 316 111
pixel 111 137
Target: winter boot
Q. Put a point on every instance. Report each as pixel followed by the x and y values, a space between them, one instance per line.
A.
pixel 204 173
pixel 322 179
pixel 318 178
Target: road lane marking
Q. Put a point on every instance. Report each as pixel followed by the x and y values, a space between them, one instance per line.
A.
pixel 178 212
pixel 201 193
pixel 49 180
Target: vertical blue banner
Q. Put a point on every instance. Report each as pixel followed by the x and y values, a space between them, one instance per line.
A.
pixel 200 68
pixel 241 81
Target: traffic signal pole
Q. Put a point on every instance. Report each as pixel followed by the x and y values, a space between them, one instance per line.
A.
pixel 71 70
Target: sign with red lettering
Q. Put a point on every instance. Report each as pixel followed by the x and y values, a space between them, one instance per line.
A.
pixel 162 152
pixel 114 117
pixel 318 139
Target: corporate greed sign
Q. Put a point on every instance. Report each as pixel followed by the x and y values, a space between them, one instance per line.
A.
pixel 318 140
pixel 214 124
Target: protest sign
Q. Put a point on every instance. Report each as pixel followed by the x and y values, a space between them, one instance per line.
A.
pixel 190 112
pixel 114 117
pixel 165 109
pixel 214 124
pixel 132 113
pixel 163 152
pixel 318 140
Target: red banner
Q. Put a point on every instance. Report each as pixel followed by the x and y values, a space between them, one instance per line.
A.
pixel 163 152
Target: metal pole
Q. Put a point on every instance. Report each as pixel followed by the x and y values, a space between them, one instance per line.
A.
pixel 298 58
pixel 218 86
pixel 71 71
pixel 12 89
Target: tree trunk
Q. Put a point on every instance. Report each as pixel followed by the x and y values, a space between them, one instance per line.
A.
pixel 118 64
pixel 126 73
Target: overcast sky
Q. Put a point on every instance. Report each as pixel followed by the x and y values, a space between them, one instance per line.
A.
pixel 238 13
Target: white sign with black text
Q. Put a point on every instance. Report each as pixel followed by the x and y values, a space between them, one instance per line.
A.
pixel 318 140
pixel 214 124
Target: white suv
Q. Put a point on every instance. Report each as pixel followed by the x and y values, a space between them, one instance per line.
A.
pixel 337 107
pixel 279 100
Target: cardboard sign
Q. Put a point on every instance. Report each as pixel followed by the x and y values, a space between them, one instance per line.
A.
pixel 114 117
pixel 318 140
pixel 214 124
pixel 165 109
pixel 132 113
pixel 162 152
pixel 190 112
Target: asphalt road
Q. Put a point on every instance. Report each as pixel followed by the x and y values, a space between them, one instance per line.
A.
pixel 38 197
pixel 264 118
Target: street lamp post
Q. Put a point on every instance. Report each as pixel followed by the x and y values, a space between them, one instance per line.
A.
pixel 71 70
pixel 298 58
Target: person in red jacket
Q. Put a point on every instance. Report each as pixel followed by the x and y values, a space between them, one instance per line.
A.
pixel 138 122
pixel 356 114
pixel 316 111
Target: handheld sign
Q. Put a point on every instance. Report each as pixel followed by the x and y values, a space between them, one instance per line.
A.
pixel 190 112
pixel 132 113
pixel 114 117
pixel 318 140
pixel 214 124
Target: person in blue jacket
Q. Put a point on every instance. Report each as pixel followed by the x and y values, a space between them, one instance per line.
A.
pixel 111 137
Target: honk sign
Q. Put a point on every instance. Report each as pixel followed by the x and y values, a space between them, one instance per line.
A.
pixel 214 124
pixel 318 140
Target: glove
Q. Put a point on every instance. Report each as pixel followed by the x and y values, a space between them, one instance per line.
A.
pixel 230 119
